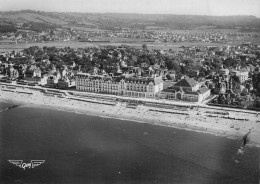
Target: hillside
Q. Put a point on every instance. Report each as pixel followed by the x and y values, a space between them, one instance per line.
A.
pixel 25 16
pixel 110 21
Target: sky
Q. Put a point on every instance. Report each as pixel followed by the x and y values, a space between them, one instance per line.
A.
pixel 183 7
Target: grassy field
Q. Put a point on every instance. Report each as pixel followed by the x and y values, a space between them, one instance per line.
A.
pixel 163 46
pixel 87 29
pixel 191 31
pixel 253 40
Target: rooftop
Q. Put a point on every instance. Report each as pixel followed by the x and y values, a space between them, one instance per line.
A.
pixel 187 82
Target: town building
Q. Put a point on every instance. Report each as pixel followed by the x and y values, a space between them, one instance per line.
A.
pixel 186 89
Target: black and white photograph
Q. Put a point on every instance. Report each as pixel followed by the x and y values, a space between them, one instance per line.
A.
pixel 129 91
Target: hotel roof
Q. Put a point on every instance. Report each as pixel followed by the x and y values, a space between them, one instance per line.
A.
pixel 155 80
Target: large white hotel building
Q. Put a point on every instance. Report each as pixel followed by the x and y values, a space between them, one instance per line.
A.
pixel 131 86
pixel 151 87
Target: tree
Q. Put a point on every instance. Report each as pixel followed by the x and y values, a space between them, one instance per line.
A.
pixel 184 70
pixel 168 77
pixel 216 64
pixel 173 65
pixel 9 27
pixel 144 46
pixel 230 62
pixel 236 79
pixel 202 74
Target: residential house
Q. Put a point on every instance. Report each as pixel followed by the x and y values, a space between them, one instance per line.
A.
pixel 53 78
pixel 65 83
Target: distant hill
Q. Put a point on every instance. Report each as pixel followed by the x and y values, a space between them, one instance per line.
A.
pixel 133 21
pixel 180 21
pixel 30 16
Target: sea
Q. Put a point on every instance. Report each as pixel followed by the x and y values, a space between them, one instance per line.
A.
pixel 78 148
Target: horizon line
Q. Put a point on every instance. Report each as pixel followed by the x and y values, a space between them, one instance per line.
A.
pixel 127 13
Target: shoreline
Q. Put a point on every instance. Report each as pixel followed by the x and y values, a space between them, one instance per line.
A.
pixel 142 114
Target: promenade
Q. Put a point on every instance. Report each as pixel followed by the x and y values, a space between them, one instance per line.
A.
pixel 108 97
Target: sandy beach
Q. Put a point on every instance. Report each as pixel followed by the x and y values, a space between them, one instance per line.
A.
pixel 192 119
